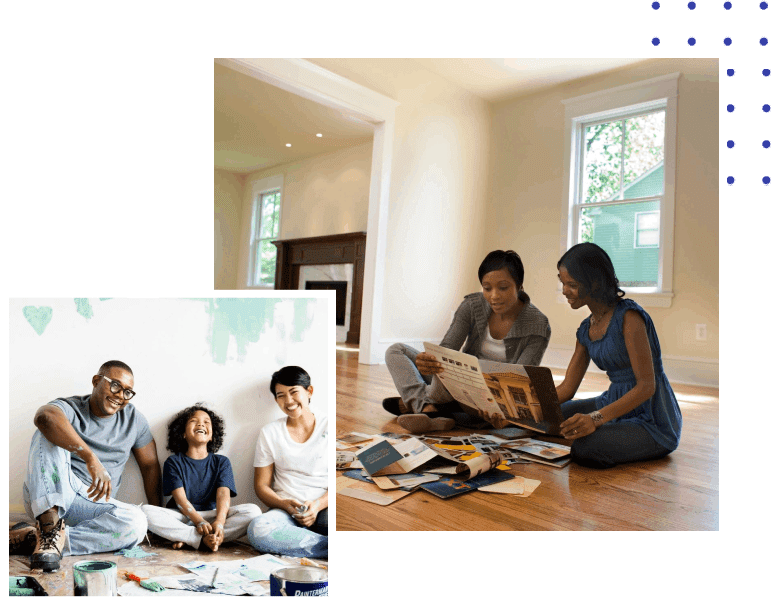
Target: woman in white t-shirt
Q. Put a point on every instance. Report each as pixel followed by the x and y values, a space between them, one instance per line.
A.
pixel 290 473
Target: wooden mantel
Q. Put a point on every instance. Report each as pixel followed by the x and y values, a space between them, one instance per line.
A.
pixel 324 250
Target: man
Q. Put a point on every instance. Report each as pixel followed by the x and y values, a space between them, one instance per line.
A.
pixel 76 461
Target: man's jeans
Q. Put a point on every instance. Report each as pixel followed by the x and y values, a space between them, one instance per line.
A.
pixel 91 527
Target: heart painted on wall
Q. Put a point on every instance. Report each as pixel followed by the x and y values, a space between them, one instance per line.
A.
pixel 38 317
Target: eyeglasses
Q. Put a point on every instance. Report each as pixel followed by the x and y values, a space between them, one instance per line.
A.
pixel 116 387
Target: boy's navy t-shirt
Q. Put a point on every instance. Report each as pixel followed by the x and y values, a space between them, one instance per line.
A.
pixel 199 477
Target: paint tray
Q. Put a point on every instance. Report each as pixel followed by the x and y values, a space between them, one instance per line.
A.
pixel 25 586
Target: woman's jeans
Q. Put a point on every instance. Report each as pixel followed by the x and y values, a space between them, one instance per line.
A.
pixel 278 532
pixel 415 389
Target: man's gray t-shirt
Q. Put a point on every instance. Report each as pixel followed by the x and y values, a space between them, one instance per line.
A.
pixel 111 438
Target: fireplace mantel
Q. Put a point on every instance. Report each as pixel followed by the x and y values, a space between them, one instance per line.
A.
pixel 324 250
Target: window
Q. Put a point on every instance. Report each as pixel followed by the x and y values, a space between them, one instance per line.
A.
pixel 620 186
pixel 263 229
pixel 646 229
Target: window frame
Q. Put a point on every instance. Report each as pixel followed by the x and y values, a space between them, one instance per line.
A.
pixel 613 104
pixel 253 220
pixel 637 229
pixel 255 240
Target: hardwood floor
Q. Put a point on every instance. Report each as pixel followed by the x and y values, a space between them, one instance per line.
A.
pixel 679 492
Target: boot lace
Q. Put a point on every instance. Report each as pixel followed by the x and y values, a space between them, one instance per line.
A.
pixel 49 538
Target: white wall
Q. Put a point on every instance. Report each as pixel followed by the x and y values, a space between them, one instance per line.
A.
pixel 222 351
pixel 323 195
pixel 525 209
pixel 228 195
pixel 438 194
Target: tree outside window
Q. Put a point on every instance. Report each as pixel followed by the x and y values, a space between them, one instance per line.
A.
pixel 622 179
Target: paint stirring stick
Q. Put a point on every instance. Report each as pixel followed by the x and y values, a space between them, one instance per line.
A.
pixel 214 578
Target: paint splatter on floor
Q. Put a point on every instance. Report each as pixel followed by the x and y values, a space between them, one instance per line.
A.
pixel 134 552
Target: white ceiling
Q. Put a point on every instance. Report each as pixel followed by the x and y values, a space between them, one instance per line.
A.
pixel 253 121
pixel 499 79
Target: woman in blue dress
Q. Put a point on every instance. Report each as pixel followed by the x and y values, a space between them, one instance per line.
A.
pixel 638 418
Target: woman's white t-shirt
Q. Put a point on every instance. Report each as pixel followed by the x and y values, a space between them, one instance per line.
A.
pixel 299 470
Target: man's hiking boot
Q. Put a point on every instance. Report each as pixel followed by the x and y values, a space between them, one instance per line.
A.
pixel 23 539
pixel 48 552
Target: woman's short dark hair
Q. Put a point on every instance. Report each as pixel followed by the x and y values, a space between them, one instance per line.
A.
pixel 289 376
pixel 591 267
pixel 177 443
pixel 498 259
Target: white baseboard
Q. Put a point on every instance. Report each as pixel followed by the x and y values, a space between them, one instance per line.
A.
pixel 680 369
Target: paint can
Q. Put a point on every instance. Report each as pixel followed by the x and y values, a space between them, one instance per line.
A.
pixel 299 580
pixel 94 577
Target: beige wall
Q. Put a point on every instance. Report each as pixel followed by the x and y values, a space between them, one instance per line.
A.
pixel 438 193
pixel 525 207
pixel 228 195
pixel 323 195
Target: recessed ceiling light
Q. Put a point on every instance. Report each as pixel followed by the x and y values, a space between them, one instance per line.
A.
pixel 318 134
pixel 289 145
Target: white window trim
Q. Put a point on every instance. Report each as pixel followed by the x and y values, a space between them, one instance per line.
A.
pixel 251 201
pixel 606 105
pixel 637 228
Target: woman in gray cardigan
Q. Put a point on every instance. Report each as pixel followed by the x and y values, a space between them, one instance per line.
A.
pixel 498 324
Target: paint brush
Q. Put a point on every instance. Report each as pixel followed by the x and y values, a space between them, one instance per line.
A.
pixel 147 583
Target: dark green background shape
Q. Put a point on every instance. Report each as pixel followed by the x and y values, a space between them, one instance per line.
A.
pixel 105 188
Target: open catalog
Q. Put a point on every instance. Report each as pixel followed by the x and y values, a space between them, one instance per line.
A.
pixel 412 455
pixel 524 395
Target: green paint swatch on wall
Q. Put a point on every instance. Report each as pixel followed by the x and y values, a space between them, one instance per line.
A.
pixel 84 308
pixel 38 317
pixel 246 320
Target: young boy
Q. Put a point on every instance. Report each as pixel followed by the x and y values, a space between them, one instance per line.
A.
pixel 200 484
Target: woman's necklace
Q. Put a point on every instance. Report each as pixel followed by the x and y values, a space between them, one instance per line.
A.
pixel 594 320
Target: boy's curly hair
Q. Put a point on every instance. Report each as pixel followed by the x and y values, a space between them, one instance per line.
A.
pixel 177 443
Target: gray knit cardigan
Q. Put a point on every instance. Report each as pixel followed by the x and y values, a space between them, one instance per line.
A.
pixel 525 343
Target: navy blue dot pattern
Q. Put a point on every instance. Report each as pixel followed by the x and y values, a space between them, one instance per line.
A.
pixel 745 92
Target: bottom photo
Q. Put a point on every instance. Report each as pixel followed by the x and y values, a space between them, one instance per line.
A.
pixel 172 446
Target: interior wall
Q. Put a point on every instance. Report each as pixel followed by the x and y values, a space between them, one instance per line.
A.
pixel 438 193
pixel 228 196
pixel 525 208
pixel 182 351
pixel 324 195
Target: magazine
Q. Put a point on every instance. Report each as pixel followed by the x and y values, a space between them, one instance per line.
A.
pixel 524 395
pixel 383 459
pixel 537 451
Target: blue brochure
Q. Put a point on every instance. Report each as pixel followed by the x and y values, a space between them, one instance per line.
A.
pixel 379 456
pixel 449 487
pixel 356 474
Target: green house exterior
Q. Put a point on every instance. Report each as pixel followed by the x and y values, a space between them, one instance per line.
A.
pixel 615 231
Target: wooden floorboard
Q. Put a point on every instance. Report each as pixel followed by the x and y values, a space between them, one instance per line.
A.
pixel 679 492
